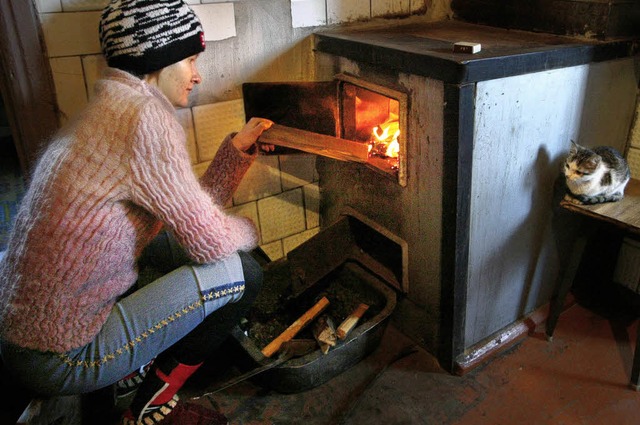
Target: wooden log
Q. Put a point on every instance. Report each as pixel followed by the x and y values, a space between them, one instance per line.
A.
pixel 295 327
pixel 324 331
pixel 319 144
pixel 351 321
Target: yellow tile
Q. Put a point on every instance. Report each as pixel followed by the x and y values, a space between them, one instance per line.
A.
pixel 297 170
pixel 71 34
pixel 213 122
pixel 68 79
pixel 185 117
pixel 296 240
pixel 262 180
pixel 281 215
pixel 312 205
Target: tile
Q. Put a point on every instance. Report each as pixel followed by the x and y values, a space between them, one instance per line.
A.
pixel 83 5
pixel 68 79
pixel 71 34
pixel 48 6
pixel 93 66
pixel 339 11
pixel 312 205
pixel 248 210
pixel 218 20
pixel 633 158
pixel 213 122
pixel 260 181
pixel 281 215
pixel 292 242
pixel 308 13
pixel 185 117
pixel 200 168
pixel 418 5
pixel 297 170
pixel 273 250
pixel 390 7
pixel 634 136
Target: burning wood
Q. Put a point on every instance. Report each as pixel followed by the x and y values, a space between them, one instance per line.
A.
pixel 324 332
pixel 295 327
pixel 351 321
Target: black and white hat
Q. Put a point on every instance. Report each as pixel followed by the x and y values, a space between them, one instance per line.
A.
pixel 142 36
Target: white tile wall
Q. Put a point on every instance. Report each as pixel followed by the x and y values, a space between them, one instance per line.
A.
pixel 339 11
pixel 308 13
pixel 312 205
pixel 71 34
pixel 633 158
pixel 82 5
pixel 93 66
pixel 273 250
pixel 218 20
pixel 214 122
pixel 297 170
pixel 262 180
pixel 249 210
pixel 48 6
pixel 69 83
pixel 185 117
pixel 390 7
pixel 279 193
pixel 281 216
pixel 288 244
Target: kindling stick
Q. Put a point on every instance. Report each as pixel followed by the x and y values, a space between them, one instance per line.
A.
pixel 295 327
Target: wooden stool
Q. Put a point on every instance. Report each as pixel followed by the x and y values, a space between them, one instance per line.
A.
pixel 622 216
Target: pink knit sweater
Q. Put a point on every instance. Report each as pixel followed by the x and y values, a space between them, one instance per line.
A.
pixel 104 187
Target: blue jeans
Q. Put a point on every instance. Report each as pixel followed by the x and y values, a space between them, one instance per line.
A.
pixel 146 322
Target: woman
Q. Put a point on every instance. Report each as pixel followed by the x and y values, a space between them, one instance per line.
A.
pixel 117 177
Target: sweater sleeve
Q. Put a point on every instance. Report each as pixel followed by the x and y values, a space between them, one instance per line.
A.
pixel 163 183
pixel 222 177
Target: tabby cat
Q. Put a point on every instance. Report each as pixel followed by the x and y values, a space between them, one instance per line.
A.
pixel 595 175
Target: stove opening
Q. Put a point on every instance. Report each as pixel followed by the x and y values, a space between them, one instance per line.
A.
pixel 375 116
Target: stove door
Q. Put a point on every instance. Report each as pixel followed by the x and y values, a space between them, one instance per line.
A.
pixel 306 116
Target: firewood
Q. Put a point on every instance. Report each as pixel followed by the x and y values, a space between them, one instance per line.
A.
pixel 351 321
pixel 324 332
pixel 295 327
pixel 319 144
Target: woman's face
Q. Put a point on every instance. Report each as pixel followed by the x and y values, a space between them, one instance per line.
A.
pixel 177 80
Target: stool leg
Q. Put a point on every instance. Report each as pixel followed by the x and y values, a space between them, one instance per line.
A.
pixel 635 370
pixel 567 274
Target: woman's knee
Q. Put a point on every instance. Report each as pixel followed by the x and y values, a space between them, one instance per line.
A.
pixel 253 275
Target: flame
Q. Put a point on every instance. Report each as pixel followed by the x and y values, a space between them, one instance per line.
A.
pixel 384 141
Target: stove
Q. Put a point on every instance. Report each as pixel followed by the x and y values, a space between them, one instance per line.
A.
pixel 432 149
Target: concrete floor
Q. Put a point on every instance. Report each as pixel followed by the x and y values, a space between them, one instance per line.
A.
pixel 581 377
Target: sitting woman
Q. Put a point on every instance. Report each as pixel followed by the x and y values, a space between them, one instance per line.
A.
pixel 113 184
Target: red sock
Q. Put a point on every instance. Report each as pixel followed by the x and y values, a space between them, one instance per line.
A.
pixel 173 382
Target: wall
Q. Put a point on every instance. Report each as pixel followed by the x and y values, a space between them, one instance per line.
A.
pixel 248 40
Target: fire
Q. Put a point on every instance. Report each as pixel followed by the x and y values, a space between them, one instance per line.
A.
pixel 384 140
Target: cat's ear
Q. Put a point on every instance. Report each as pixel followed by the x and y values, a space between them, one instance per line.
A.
pixel 574 148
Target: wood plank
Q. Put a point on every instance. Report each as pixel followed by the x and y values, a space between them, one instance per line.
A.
pixel 624 213
pixel 295 327
pixel 319 144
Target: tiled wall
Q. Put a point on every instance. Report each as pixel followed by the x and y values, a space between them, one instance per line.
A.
pixel 633 155
pixel 246 40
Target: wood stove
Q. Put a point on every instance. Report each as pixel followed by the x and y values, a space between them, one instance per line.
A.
pixel 480 139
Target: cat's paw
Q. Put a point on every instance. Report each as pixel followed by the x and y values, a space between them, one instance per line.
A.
pixel 571 199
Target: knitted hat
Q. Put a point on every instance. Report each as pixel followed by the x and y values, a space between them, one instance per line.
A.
pixel 142 36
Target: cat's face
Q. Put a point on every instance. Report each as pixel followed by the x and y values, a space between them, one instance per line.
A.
pixel 581 163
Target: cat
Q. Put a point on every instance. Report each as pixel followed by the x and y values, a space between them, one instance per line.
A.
pixel 595 175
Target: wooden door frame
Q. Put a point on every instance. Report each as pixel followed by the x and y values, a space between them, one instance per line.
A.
pixel 26 82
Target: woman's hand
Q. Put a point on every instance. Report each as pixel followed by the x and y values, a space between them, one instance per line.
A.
pixel 247 137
